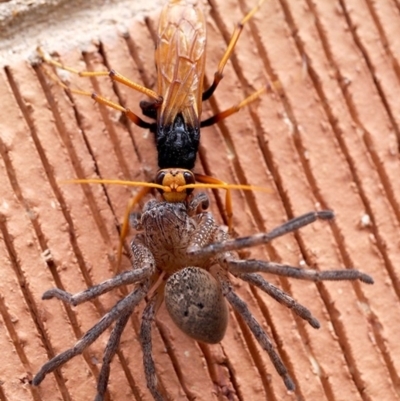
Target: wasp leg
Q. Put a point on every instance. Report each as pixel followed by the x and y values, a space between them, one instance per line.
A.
pixel 115 76
pixel 130 114
pixel 149 108
pixel 125 224
pixel 228 52
pixel 234 109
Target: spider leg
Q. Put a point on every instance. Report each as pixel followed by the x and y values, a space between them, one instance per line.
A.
pixel 111 349
pixel 261 336
pixel 253 265
pixel 145 339
pixel 263 238
pixel 280 296
pixel 205 231
pixel 128 277
pixel 200 199
pixel 143 258
pixel 127 303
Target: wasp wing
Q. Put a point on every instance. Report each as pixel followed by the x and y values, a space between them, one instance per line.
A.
pixel 180 61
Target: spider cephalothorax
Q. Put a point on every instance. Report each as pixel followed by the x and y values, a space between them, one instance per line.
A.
pixel 183 257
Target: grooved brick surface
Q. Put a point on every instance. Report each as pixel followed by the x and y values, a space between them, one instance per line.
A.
pixel 328 139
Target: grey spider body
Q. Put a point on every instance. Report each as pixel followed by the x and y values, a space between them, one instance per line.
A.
pixel 168 231
pixel 184 257
pixel 192 295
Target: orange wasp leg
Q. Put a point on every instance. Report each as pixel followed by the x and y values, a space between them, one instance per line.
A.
pixel 125 225
pixel 115 76
pixel 234 109
pixel 228 52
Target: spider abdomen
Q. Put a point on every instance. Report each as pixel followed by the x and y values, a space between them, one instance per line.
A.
pixel 196 304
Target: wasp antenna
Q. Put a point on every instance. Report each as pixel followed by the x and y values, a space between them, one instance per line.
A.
pixel 117 182
pixel 225 186
pixel 252 12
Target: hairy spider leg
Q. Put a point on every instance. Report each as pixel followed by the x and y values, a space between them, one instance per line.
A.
pixel 110 351
pixel 263 238
pixel 145 269
pixel 261 336
pixel 253 265
pixel 147 347
pixel 94 333
pixel 279 296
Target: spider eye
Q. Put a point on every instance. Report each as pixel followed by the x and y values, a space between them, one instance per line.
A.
pixel 205 204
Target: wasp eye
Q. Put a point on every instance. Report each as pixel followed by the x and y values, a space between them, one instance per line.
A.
pixel 189 177
pixel 160 177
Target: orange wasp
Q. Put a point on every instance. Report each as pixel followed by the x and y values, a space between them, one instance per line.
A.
pixel 177 104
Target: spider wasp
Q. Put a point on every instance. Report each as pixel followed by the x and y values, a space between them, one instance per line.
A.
pixel 176 105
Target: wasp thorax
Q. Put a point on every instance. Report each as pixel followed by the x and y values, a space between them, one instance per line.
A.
pixel 196 304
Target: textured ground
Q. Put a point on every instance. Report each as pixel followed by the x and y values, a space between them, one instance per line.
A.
pixel 331 140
